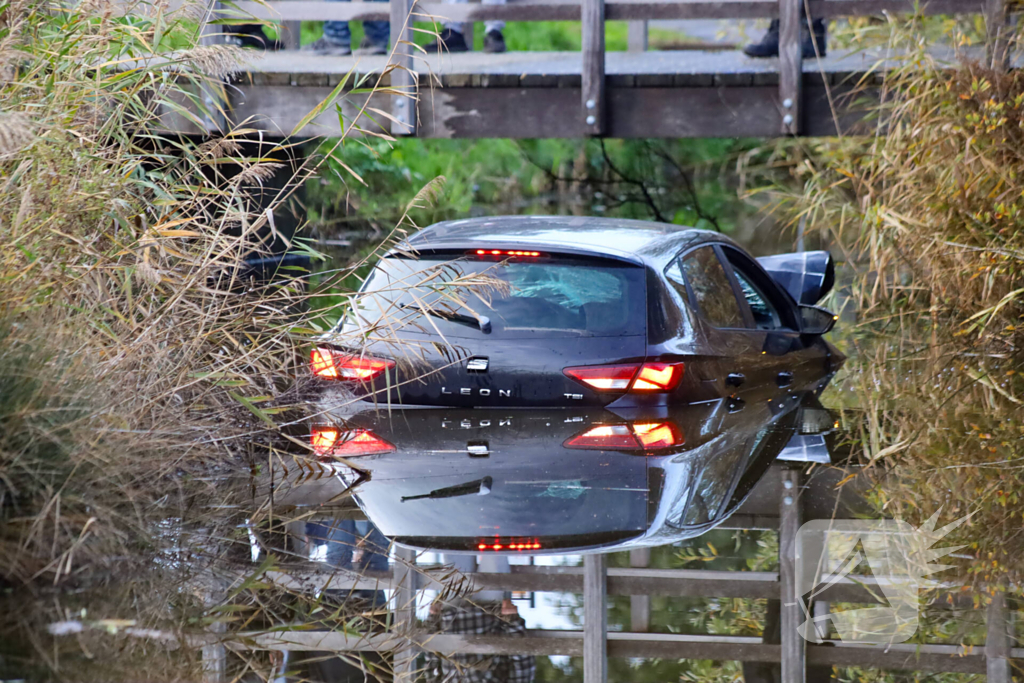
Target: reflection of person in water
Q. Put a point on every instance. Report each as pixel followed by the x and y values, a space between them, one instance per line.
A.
pixel 484 619
pixel 350 544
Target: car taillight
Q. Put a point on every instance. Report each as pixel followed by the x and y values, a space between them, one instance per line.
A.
pixel 647 436
pixel 604 377
pixel 500 253
pixel 646 378
pixel 508 544
pixel 330 364
pixel 658 377
pixel 328 441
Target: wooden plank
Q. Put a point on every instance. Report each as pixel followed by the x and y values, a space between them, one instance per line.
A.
pixel 403 80
pixel 791 66
pixel 639 605
pixel 291 34
pixel 636 36
pixel 792 611
pixel 592 96
pixel 569 10
pixel 595 619
pixel 901 656
pixel 997 641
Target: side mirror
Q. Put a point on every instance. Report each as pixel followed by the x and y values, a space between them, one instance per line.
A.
pixel 816 320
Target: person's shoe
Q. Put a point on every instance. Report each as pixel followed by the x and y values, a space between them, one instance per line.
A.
pixel 323 46
pixel 494 42
pixel 252 36
pixel 820 38
pixel 769 45
pixel 448 40
pixel 368 47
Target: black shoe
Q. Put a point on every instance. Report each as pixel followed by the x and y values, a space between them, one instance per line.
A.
pixel 448 40
pixel 251 35
pixel 769 45
pixel 820 39
pixel 494 42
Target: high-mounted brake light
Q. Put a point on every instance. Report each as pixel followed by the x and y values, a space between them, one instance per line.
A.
pixel 509 544
pixel 504 252
pixel 329 440
pixel 648 436
pixel 330 364
pixel 649 377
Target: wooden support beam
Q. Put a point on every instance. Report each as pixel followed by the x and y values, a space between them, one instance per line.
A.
pixel 790 64
pixel 593 100
pixel 792 610
pixel 997 23
pixel 640 605
pixel 636 36
pixel 291 34
pixel 997 640
pixel 595 619
pixel 405 612
pixel 403 102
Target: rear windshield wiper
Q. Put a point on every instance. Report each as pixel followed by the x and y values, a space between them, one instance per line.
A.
pixel 479 487
pixel 483 323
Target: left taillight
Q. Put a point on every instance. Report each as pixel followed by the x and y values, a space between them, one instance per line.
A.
pixel 647 436
pixel 327 363
pixel 329 440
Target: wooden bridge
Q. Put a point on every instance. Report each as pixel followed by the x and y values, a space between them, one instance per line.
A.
pixel 638 93
pixel 785 498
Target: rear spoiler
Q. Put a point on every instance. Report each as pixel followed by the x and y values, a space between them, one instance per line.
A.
pixel 807 275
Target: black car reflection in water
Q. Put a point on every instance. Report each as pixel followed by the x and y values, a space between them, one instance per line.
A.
pixel 537 481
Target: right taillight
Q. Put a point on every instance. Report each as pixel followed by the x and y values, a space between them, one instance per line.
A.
pixel 647 436
pixel 327 363
pixel 329 440
pixel 646 377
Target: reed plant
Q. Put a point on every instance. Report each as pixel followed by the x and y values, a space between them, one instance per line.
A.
pixel 143 370
pixel 925 207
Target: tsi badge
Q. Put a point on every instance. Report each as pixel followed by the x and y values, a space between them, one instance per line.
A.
pixel 897 555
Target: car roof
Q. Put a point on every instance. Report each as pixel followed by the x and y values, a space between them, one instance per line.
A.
pixel 632 240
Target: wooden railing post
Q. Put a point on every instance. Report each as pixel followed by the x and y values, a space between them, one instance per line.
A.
pixel 592 13
pixel 291 34
pixel 791 65
pixel 403 81
pixel 405 613
pixel 997 640
pixel 595 619
pixel 639 605
pixel 636 36
pixel 794 661
pixel 996 21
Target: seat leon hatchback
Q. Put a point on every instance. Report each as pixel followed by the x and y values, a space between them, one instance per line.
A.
pixel 568 311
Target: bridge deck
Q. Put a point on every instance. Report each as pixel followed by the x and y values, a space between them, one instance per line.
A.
pixel 537 94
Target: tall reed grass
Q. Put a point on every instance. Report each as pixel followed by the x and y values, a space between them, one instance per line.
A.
pixel 141 368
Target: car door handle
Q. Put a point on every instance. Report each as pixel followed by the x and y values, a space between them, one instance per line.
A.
pixel 784 379
pixel 734 379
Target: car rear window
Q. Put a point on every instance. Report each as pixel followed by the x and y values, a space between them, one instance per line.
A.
pixel 551 296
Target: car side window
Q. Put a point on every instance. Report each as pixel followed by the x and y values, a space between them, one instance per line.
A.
pixel 765 315
pixel 675 276
pixel 711 288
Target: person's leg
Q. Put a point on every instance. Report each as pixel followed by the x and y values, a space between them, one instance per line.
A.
pixel 376 35
pixel 494 39
pixel 337 39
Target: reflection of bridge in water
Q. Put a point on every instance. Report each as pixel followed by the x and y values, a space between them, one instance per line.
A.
pixel 630 94
pixel 763 462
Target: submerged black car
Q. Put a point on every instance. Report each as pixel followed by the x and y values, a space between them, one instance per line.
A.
pixel 565 311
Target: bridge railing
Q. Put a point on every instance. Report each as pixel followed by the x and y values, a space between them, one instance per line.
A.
pixel 593 14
